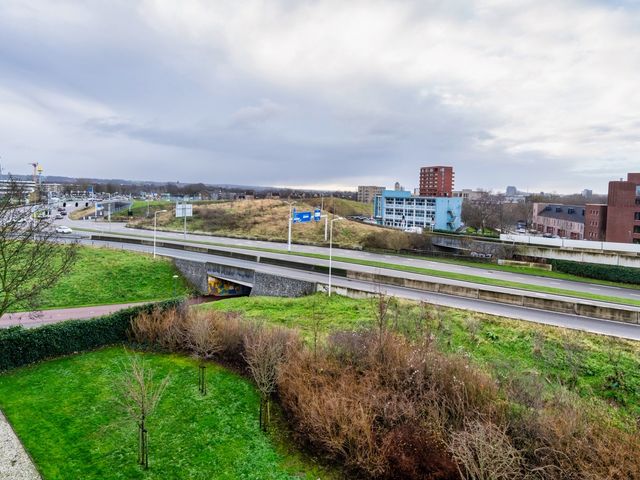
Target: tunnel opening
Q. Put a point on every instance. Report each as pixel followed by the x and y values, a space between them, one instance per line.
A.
pixel 221 288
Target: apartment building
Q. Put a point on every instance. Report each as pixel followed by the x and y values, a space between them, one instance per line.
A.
pixel 564 221
pixel 595 222
pixel 366 193
pixel 623 210
pixel 400 209
pixel 436 181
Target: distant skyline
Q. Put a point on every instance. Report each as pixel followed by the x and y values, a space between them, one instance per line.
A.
pixel 538 94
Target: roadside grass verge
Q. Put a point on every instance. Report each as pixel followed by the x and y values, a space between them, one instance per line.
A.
pixel 103 276
pixel 449 275
pixel 64 412
pixel 537 358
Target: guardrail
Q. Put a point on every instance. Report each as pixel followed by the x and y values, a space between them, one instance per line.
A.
pixel 572 244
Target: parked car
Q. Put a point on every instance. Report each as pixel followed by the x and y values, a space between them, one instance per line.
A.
pixel 63 229
pixel 58 216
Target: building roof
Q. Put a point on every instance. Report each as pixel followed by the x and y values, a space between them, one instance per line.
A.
pixel 571 213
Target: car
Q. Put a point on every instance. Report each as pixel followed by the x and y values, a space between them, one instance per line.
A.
pixel 63 213
pixel 63 229
pixel 58 216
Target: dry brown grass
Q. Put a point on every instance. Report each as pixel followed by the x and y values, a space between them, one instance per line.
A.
pixel 264 220
pixel 386 407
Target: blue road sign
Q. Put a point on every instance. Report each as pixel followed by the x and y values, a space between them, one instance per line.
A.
pixel 317 214
pixel 301 217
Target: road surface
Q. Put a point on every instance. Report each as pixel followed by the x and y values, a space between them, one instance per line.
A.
pixel 239 244
pixel 605 327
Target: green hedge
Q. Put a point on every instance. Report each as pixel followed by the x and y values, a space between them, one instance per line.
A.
pixel 21 346
pixel 600 272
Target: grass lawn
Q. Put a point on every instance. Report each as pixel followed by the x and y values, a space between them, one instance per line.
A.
pixel 597 367
pixel 65 414
pixel 105 276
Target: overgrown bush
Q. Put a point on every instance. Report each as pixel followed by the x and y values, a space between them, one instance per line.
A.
pixel 386 407
pixel 21 346
pixel 611 273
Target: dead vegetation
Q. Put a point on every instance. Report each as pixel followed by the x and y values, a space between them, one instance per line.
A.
pixel 387 407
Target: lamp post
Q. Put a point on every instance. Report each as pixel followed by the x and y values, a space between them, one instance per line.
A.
pixel 155 224
pixel 291 204
pixel 331 249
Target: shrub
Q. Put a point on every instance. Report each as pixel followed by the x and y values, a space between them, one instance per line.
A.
pixel 20 346
pixel 611 273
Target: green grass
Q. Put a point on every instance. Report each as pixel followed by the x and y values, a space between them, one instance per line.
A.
pixel 64 412
pixel 597 367
pixel 457 276
pixel 104 276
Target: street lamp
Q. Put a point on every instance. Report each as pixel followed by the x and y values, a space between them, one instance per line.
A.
pixel 331 249
pixel 291 204
pixel 155 223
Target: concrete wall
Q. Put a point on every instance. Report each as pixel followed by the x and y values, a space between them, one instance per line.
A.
pixel 195 273
pixel 275 286
pixel 242 275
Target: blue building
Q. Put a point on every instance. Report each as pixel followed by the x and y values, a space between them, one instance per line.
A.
pixel 399 209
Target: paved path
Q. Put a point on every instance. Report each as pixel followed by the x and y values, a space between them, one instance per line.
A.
pixel 15 464
pixel 33 319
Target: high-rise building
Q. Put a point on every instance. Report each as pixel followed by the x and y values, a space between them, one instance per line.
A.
pixel 623 210
pixel 436 181
pixel 366 193
pixel 511 191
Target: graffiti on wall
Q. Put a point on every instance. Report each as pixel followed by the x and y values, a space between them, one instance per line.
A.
pixel 224 288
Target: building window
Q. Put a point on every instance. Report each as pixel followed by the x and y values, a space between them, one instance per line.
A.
pixel 636 229
pixel 636 216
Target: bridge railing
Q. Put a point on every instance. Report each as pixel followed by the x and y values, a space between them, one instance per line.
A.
pixel 574 244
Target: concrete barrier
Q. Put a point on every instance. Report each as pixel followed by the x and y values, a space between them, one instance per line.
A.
pixel 549 304
pixel 526 299
pixel 501 297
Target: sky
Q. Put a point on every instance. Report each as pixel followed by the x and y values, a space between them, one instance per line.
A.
pixel 543 95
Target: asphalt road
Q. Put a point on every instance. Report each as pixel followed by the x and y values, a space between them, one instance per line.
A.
pixel 616 329
pixel 576 286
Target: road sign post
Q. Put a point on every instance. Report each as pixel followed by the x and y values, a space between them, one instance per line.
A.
pixel 184 210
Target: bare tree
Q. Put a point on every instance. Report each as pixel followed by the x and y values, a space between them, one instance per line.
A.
pixel 32 257
pixel 203 340
pixel 265 350
pixel 138 394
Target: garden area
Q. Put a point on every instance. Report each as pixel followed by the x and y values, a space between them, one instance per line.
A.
pixel 375 388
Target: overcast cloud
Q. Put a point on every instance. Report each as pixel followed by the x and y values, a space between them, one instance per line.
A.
pixel 539 94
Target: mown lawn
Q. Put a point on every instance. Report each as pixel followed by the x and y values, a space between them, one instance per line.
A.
pixel 537 357
pixel 104 276
pixel 65 413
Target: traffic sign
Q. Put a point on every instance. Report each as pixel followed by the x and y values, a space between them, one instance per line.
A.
pixel 184 210
pixel 301 217
pixel 317 214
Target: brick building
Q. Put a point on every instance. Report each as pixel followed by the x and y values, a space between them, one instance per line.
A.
pixel 366 193
pixel 436 181
pixel 564 221
pixel 623 210
pixel 595 222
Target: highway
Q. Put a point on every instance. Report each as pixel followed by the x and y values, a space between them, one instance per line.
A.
pixel 605 327
pixel 239 244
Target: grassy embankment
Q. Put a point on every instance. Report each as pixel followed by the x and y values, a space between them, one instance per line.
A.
pixel 104 276
pixel 65 413
pixel 264 220
pixel 599 368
